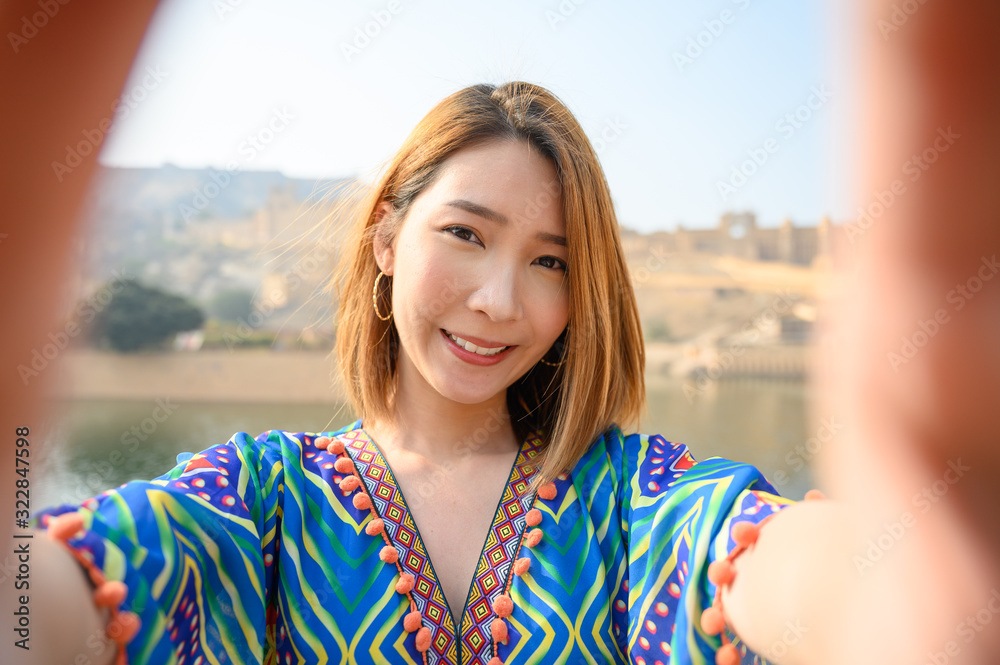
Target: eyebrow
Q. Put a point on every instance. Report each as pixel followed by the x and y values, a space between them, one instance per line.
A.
pixel 498 218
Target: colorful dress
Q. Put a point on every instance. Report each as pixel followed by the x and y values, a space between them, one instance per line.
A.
pixel 270 550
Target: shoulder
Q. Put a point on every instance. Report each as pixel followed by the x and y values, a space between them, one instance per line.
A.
pixel 621 461
pixel 273 448
pixel 300 440
pixel 301 449
pixel 648 466
pixel 638 450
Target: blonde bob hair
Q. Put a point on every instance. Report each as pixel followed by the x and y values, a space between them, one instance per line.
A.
pixel 600 381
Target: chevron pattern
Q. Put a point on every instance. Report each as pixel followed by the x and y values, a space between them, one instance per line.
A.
pixel 249 552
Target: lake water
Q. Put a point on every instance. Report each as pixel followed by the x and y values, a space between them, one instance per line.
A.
pixel 92 446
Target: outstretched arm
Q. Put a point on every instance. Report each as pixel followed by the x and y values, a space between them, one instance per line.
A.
pixel 62 67
pixel 903 566
pixel 59 75
pixel 66 626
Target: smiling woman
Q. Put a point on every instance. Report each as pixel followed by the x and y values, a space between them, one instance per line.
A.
pixel 491 372
pixel 513 300
pixel 487 506
pixel 510 238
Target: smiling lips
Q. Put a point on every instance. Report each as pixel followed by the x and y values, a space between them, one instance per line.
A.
pixel 479 350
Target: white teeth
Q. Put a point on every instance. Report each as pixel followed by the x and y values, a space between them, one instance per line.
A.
pixel 469 346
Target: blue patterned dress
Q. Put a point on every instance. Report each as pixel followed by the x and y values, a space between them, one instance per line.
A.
pixel 251 552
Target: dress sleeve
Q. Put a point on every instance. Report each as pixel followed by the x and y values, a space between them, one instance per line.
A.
pixel 197 549
pixel 678 516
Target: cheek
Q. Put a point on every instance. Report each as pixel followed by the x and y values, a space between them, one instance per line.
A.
pixel 551 312
pixel 432 286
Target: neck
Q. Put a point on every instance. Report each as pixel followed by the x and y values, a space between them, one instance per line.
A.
pixel 425 423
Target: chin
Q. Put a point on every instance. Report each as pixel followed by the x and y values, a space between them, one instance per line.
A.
pixel 469 392
pixel 470 397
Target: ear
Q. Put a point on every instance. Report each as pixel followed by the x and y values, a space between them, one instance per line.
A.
pixel 385 255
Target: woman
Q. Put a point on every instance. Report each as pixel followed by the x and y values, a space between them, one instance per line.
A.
pixel 930 599
pixel 487 507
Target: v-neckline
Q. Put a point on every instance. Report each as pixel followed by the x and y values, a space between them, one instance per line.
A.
pixel 469 632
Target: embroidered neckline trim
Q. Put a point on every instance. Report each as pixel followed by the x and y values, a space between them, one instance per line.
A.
pixel 488 603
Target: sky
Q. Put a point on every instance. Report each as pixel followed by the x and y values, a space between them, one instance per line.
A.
pixel 695 108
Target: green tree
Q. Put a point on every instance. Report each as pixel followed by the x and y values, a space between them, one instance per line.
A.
pixel 232 305
pixel 140 317
pixel 657 330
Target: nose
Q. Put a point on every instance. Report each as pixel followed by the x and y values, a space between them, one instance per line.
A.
pixel 497 293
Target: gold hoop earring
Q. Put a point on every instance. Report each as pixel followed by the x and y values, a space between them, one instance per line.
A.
pixel 553 364
pixel 558 363
pixel 375 299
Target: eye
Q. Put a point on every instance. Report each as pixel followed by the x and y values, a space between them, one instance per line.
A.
pixel 462 233
pixel 553 263
pixel 468 235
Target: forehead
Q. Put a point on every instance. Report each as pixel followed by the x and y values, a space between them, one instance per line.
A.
pixel 510 177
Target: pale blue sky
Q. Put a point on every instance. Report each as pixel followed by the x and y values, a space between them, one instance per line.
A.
pixel 682 128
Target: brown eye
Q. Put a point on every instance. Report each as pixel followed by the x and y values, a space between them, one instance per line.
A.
pixel 553 263
pixel 461 233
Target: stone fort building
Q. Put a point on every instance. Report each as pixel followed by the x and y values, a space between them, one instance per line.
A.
pixel 738 235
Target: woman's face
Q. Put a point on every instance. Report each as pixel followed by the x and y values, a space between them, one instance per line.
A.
pixel 480 257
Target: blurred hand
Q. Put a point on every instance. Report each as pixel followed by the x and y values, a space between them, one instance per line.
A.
pixel 915 368
pixel 59 74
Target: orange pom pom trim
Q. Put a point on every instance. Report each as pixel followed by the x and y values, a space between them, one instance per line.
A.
pixel 110 594
pixel 499 630
pixel 375 527
pixel 503 605
pixel 343 465
pixel 522 565
pixel 65 526
pixel 321 441
pixel 721 572
pixel 712 621
pixel 814 495
pixel 405 583
pixel 123 627
pixel 533 538
pixel 727 655
pixel 534 517
pixel 412 621
pixel 745 534
pixel 350 483
pixel 336 446
pixel 547 491
pixel 389 554
pixel 361 501
pixel 423 639
pixel 495 661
